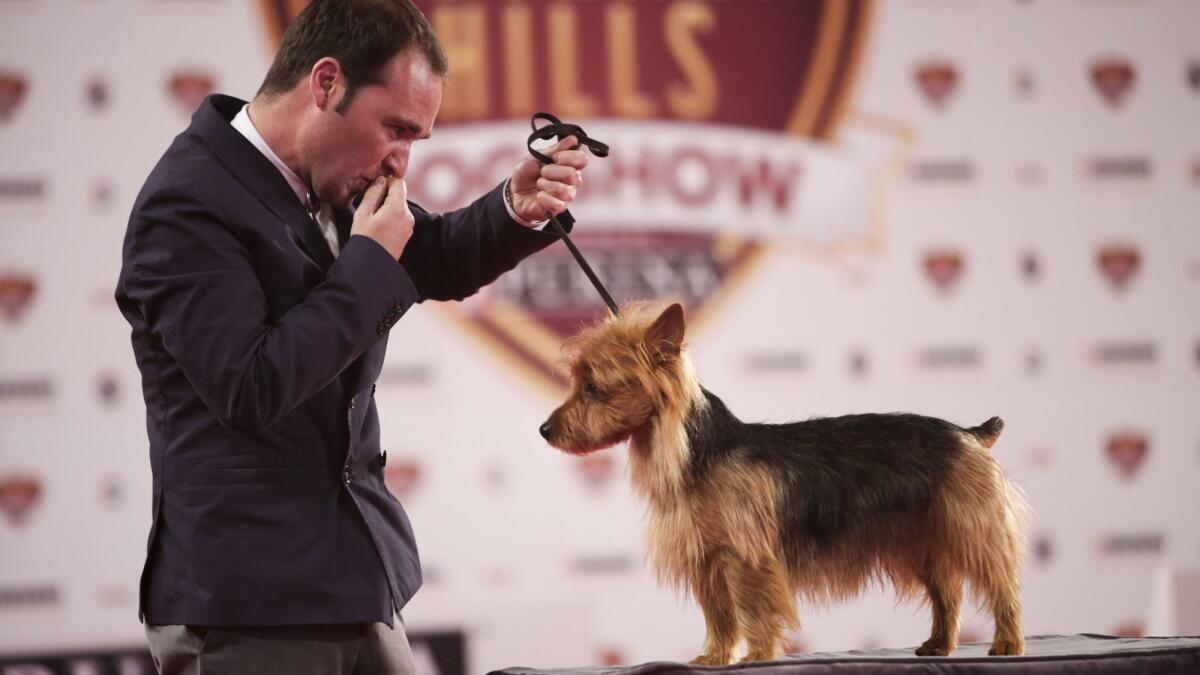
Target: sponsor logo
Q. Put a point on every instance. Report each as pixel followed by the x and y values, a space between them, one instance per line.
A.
pixel 402 477
pixel 407 374
pixel 108 389
pixel 12 91
pixel 775 362
pixel 101 194
pixel 608 655
pixel 949 358
pixel 1132 168
pixel 1041 457
pixel 1113 77
pixel 860 364
pixel 1043 549
pixel 19 494
pixel 1024 82
pixel 1030 174
pixel 13 597
pixel 1192 74
pixel 96 93
pixel 942 171
pixel 619 564
pixel 1126 452
pixel 1118 264
pixel 937 80
pixel 40 387
pixel 943 268
pixel 22 188
pixel 596 469
pixel 187 88
pixel 1132 628
pixel 1125 353
pixel 112 492
pixel 1031 267
pixel 1138 543
pixel 16 292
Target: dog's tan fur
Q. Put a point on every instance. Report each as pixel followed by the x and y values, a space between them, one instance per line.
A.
pixel 719 537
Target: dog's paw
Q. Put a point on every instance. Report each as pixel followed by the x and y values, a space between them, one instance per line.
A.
pixel 1005 648
pixel 934 648
pixel 754 657
pixel 711 660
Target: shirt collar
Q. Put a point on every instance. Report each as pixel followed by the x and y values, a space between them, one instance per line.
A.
pixel 245 127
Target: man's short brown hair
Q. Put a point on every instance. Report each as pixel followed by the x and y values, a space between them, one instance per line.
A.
pixel 363 35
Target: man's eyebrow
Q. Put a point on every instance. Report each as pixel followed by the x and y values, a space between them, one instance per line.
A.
pixel 412 127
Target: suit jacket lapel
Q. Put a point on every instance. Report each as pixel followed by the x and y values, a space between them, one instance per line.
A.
pixel 211 122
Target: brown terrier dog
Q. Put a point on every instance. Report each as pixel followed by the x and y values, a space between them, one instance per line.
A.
pixel 747 516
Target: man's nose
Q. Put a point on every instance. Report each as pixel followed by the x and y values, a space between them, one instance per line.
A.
pixel 396 162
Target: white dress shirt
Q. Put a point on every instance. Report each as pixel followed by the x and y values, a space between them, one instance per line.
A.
pixel 324 218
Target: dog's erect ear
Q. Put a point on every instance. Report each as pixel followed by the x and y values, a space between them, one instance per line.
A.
pixel 666 333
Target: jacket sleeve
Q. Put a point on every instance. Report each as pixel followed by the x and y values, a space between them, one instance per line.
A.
pixel 451 256
pixel 197 290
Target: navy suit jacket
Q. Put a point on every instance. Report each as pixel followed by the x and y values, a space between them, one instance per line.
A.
pixel 259 353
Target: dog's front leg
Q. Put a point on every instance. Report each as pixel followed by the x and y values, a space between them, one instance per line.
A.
pixel 712 590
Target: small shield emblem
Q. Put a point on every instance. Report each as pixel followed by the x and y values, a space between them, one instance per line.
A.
pixel 1113 79
pixel 189 87
pixel 18 495
pixel 1127 451
pixel 1118 264
pixel 16 292
pixel 12 91
pixel 944 269
pixel 937 81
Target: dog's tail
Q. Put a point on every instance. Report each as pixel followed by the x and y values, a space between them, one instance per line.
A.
pixel 988 432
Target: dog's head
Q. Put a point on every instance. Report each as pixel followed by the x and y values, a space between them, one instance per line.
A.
pixel 624 372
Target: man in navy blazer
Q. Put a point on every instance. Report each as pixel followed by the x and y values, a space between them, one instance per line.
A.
pixel 260 305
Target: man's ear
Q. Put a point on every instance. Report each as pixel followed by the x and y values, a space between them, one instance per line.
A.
pixel 665 336
pixel 326 83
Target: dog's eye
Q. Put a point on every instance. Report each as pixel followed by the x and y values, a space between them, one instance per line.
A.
pixel 589 388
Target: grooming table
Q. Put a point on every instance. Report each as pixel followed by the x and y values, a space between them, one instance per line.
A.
pixel 1044 654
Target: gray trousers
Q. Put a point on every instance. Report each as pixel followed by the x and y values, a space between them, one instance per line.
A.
pixel 333 649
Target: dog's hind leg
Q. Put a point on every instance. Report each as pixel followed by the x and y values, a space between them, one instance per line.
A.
pixel 713 592
pixel 945 593
pixel 1000 584
pixel 765 606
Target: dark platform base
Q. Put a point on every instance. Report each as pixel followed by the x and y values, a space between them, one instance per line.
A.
pixel 1044 654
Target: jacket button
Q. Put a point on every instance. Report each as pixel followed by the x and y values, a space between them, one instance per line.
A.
pixel 346 475
pixel 383 458
pixel 372 390
pixel 352 402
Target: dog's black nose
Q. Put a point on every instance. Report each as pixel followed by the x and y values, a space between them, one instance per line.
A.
pixel 546 430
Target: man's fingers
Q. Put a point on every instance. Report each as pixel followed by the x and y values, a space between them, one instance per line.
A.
pixel 560 190
pixel 397 191
pixel 562 174
pixel 373 196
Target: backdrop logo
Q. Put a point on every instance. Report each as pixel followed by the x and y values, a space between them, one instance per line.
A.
pixel 943 268
pixel 1192 71
pixel 19 494
pixel 596 470
pixel 12 91
pixel 1113 78
pixel 716 161
pixel 937 81
pixel 188 87
pixel 1126 452
pixel 16 293
pixel 402 477
pixel 1118 263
